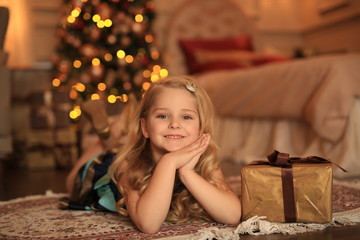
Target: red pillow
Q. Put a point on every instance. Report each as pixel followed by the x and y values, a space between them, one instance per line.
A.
pixel 189 47
pixel 264 59
pixel 220 65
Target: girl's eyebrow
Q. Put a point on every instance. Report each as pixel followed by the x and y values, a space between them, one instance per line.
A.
pixel 167 109
pixel 190 110
pixel 160 109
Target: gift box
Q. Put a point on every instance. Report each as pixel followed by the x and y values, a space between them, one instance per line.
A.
pixel 42 118
pixel 288 189
pixel 66 155
pixel 40 159
pixel 48 98
pixel 49 109
pixel 66 136
pixel 36 138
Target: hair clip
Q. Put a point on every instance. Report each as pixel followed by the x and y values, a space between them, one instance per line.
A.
pixel 190 86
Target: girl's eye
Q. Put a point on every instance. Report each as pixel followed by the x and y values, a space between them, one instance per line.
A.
pixel 187 117
pixel 162 116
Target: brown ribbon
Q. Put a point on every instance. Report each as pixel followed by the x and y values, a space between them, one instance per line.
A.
pixel 282 160
pixel 285 162
pixel 288 194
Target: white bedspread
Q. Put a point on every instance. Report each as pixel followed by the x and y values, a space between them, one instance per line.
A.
pixel 319 90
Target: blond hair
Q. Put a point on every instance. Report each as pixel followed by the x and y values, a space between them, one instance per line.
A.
pixel 140 164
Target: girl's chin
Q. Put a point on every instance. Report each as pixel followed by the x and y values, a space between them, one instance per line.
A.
pixel 173 149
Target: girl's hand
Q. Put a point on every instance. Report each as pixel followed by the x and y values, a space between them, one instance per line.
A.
pixel 191 164
pixel 190 153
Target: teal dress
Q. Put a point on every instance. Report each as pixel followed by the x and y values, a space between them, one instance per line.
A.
pixel 93 188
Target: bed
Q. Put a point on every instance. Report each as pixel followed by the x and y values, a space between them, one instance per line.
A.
pixel 266 101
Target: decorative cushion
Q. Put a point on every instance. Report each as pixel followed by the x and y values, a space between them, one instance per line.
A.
pixel 210 60
pixel 190 47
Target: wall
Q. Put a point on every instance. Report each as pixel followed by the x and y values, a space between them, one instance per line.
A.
pixel 30 39
pixel 341 37
pixel 282 24
pixel 334 31
pixel 277 21
pixel 46 17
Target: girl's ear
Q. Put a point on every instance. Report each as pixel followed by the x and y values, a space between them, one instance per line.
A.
pixel 143 128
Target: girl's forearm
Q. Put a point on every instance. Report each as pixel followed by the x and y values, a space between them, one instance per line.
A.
pixel 222 205
pixel 153 205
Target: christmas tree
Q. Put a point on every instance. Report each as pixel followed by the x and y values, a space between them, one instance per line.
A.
pixel 105 50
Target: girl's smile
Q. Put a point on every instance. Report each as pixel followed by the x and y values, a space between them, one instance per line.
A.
pixel 174 136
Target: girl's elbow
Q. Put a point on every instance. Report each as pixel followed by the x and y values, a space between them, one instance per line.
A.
pixel 234 220
pixel 233 217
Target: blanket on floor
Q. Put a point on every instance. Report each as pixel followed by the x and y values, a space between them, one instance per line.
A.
pixel 37 217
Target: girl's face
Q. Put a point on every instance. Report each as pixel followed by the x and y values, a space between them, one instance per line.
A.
pixel 173 122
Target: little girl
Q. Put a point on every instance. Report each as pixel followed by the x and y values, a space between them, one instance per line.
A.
pixel 167 169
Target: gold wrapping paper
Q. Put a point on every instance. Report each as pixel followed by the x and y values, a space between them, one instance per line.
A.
pixel 39 160
pixel 261 192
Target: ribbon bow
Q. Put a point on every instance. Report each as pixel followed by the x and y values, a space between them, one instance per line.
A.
pixel 284 160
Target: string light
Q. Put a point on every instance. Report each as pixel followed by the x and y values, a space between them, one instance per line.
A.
pixel 80 87
pixel 56 82
pixel 120 54
pixel 100 24
pixel 87 16
pixel 95 96
pixel 77 109
pixel 129 59
pixel 149 38
pixel 146 73
pixel 146 85
pixel 164 73
pixel 107 23
pixel 76 12
pixel 156 68
pixel 71 19
pixel 73 114
pixel 73 94
pixel 101 86
pixel 111 98
pixel 77 64
pixel 124 97
pixel 108 57
pixel 96 18
pixel 95 62
pixel 155 55
pixel 154 78
pixel 139 18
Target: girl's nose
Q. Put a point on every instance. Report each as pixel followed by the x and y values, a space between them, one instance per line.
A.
pixel 174 124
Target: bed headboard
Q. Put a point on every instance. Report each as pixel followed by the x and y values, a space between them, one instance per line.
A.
pixel 203 19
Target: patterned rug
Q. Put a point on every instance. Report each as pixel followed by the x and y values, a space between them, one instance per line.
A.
pixel 37 217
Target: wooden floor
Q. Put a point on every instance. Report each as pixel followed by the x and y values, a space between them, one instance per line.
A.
pixel 21 182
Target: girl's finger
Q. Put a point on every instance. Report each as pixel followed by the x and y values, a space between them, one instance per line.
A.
pixel 203 146
pixel 195 144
